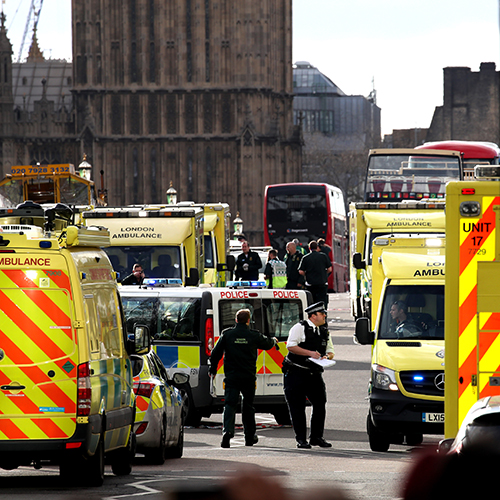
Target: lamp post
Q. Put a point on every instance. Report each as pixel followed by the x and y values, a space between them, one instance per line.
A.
pixel 238 226
pixel 85 168
pixel 171 195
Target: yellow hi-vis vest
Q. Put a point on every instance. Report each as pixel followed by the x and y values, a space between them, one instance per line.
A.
pixel 278 274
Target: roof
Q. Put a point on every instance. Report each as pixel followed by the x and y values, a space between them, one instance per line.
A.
pixel 309 80
pixel 28 86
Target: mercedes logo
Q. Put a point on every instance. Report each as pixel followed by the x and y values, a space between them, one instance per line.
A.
pixel 2 354
pixel 439 381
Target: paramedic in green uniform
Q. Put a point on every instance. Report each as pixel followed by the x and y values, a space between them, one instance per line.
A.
pixel 239 347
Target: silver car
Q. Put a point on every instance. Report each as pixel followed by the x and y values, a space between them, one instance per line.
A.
pixel 159 420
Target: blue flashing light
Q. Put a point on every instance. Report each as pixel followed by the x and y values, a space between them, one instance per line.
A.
pixel 161 281
pixel 418 378
pixel 246 284
pixel 45 244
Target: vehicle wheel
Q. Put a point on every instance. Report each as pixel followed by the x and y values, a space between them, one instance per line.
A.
pixel 282 415
pixel 177 450
pixel 94 466
pixel 157 455
pixel 378 440
pixel 121 462
pixel 414 439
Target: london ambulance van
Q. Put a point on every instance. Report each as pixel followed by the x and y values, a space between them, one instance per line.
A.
pixel 406 388
pixel 66 388
pixel 185 324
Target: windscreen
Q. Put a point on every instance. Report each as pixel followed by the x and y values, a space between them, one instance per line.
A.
pixel 168 318
pixel 11 193
pixel 409 176
pixel 157 261
pixel 413 312
pixel 296 212
pixel 272 317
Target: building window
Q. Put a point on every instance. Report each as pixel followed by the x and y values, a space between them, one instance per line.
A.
pixel 154 194
pixel 189 56
pixel 133 36
pixel 207 40
pixel 209 174
pixel 207 114
pixel 135 170
pixel 116 115
pixel 226 113
pixel 171 114
pixel 153 113
pixel 135 117
pixel 189 114
pixel 190 173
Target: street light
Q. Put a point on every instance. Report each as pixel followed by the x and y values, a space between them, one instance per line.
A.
pixel 85 168
pixel 238 226
pixel 171 195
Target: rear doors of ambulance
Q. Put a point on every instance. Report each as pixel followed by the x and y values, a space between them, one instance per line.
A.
pixel 38 348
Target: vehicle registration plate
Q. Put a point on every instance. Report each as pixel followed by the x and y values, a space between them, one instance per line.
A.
pixel 433 417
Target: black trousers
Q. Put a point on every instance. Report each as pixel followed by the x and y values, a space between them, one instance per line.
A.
pixel 319 293
pixel 231 396
pixel 301 384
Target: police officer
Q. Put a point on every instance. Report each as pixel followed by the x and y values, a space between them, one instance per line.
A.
pixel 239 346
pixel 295 281
pixel 248 264
pixel 303 378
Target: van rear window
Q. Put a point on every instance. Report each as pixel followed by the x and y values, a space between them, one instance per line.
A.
pixel 272 317
pixel 168 318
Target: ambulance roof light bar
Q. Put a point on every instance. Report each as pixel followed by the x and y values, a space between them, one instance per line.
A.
pixel 246 284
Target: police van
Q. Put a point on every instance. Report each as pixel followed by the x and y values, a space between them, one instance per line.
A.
pixel 185 324
pixel 66 393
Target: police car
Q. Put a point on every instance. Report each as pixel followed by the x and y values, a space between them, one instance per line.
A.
pixel 185 323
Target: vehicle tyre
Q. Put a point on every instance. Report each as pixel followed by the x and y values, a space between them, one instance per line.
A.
pixel 157 455
pixel 121 461
pixel 379 441
pixel 414 439
pixel 282 415
pixel 177 450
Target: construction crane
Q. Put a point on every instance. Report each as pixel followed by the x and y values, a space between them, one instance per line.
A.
pixel 31 23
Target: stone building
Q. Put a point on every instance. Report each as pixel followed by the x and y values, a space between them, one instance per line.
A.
pixel 197 92
pixel 470 109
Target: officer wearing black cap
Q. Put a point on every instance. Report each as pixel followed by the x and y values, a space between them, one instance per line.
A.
pixel 303 378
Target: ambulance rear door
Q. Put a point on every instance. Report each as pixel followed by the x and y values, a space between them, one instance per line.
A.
pixel 38 348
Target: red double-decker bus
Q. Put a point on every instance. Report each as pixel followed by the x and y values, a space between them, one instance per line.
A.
pixel 308 211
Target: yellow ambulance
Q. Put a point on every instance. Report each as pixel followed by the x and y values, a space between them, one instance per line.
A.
pixel 66 387
pixel 406 388
pixel 472 336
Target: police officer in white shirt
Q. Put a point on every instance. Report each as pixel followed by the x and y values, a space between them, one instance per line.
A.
pixel 303 378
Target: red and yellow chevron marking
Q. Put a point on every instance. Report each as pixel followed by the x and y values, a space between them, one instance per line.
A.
pixel 39 346
pixel 477 243
pixel 272 360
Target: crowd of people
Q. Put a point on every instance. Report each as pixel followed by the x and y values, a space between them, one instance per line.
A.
pixel 298 270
